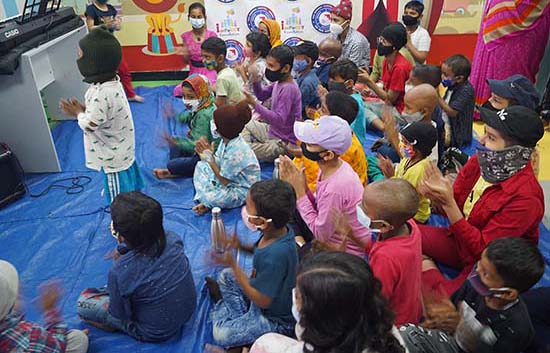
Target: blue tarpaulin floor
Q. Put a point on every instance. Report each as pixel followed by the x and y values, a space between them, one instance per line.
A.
pixel 66 237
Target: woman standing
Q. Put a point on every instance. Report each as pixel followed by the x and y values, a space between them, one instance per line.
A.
pixel 192 40
pixel 509 30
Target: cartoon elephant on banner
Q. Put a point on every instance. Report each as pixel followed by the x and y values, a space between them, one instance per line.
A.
pixel 161 39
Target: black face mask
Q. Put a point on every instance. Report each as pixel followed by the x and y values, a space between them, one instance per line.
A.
pixel 312 156
pixel 273 76
pixel 337 86
pixel 409 20
pixel 489 106
pixel 384 50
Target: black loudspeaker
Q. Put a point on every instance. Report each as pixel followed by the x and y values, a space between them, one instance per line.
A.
pixel 12 186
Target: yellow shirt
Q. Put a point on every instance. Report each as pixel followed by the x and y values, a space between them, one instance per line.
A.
pixel 475 195
pixel 354 156
pixel 414 175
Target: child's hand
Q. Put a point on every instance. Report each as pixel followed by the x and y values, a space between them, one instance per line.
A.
pixel 291 174
pixel 386 166
pixel 311 112
pixel 364 77
pixel 442 316
pixel 249 98
pixel 435 186
pixel 321 91
pixel 202 145
pixel 50 293
pixel 254 73
pixel 71 107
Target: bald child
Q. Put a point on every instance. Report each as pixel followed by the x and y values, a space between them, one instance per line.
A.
pixel 330 50
pixel 420 103
pixel 387 209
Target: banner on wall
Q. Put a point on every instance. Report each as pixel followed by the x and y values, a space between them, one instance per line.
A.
pixel 299 19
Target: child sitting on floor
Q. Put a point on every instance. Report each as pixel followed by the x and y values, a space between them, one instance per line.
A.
pixel 199 102
pixel 342 77
pixel 223 178
pixel 342 105
pixel 106 118
pixel 270 137
pixel 18 335
pixel 255 52
pixel 150 292
pixel 339 188
pixel 387 208
pixel 306 54
pixel 228 87
pixel 487 313
pixel 418 140
pixel 246 308
pixel 459 101
pixel 330 49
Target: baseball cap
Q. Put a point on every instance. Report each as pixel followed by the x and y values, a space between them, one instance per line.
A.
pixel 518 122
pixel 330 132
pixel 307 48
pixel 518 88
pixel 423 136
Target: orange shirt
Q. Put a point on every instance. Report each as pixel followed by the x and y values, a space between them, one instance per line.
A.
pixel 354 156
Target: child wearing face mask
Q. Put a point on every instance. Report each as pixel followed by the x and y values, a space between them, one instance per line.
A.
pixel 418 43
pixel 395 255
pixel 329 51
pixel 199 101
pixel 418 140
pixel 306 54
pixel 459 101
pixel 487 314
pixel 228 87
pixel 255 52
pixel 248 307
pixel 270 135
pixel 339 188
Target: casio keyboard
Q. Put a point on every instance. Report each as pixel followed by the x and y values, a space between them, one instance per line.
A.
pixel 38 17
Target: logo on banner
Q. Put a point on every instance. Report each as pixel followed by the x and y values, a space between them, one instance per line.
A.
pixel 228 26
pixel 293 41
pixel 235 52
pixel 320 18
pixel 293 23
pixel 257 14
pixel 226 1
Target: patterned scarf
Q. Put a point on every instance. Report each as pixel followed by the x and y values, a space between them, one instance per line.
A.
pixel 497 166
pixel 203 90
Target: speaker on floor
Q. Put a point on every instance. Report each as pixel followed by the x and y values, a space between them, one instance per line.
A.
pixel 12 186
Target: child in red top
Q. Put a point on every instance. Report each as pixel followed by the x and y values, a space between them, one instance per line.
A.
pixel 387 209
pixel 396 68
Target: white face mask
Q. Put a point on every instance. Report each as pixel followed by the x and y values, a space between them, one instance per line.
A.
pixel 197 22
pixel 214 130
pixel 408 87
pixel 191 104
pixel 335 28
pixel 412 118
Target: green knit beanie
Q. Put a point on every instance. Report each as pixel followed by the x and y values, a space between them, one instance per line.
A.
pixel 101 56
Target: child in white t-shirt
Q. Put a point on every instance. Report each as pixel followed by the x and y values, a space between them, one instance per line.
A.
pixel 419 40
pixel 106 118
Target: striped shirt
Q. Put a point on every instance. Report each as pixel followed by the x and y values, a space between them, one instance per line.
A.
pixel 355 47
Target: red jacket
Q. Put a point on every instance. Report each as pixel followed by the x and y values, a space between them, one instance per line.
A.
pixel 512 208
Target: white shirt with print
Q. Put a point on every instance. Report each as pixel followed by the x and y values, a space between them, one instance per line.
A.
pixel 109 142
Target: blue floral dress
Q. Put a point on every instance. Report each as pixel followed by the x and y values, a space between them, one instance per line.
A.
pixel 237 163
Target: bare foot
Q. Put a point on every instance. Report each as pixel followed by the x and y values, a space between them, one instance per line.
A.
pixel 100 326
pixel 200 209
pixel 136 98
pixel 86 332
pixel 163 173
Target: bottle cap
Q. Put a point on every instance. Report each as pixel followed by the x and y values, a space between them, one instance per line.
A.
pixel 216 210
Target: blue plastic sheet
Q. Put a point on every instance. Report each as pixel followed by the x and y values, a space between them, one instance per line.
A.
pixel 67 237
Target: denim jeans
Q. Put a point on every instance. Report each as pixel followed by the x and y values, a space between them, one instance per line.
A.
pixel 93 305
pixel 236 320
pixel 183 166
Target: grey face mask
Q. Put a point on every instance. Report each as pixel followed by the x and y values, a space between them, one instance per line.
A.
pixel 497 166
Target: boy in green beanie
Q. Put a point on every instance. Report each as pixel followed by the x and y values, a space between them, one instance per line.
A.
pixel 106 119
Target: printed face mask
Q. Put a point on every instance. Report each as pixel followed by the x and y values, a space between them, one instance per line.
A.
pixel 497 166
pixel 210 65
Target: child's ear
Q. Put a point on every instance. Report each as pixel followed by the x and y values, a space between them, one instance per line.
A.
pixel 510 295
pixel 221 58
pixel 287 68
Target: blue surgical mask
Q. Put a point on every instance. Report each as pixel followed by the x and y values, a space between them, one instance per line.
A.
pixel 448 82
pixel 299 65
